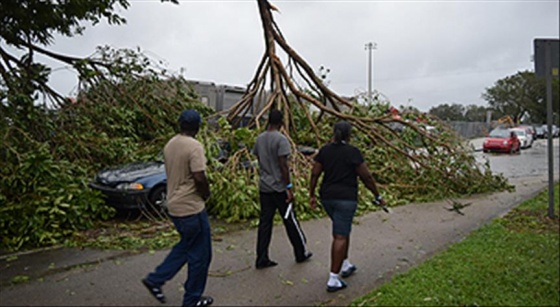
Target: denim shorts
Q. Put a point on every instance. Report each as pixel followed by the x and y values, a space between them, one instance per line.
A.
pixel 341 213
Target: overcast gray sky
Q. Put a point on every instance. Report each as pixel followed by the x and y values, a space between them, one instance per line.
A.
pixel 428 52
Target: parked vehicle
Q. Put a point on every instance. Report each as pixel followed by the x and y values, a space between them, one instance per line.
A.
pixel 555 131
pixel 530 131
pixel 501 140
pixel 525 138
pixel 545 128
pixel 534 131
pixel 540 133
pixel 139 185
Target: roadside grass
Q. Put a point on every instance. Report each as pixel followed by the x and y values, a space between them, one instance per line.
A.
pixel 513 261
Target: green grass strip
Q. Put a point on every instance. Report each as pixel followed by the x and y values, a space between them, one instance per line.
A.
pixel 513 261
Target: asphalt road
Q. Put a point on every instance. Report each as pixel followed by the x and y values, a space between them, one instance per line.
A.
pixel 528 162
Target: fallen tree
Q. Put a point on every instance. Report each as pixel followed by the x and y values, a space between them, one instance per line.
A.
pixel 126 110
pixel 410 163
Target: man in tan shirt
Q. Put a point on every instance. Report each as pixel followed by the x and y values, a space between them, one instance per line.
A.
pixel 187 189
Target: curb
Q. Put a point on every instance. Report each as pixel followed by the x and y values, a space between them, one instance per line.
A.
pixel 29 252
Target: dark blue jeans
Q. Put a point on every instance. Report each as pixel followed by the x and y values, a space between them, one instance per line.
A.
pixel 194 249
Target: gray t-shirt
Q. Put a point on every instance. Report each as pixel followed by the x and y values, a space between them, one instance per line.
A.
pixel 269 146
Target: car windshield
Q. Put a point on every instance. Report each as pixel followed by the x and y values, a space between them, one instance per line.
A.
pixel 501 133
pixel 519 132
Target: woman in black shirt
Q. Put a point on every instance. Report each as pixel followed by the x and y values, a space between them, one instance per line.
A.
pixel 342 164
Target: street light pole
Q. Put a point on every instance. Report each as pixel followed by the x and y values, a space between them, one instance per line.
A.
pixel 370 46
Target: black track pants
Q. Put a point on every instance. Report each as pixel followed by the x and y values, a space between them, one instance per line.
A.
pixel 270 202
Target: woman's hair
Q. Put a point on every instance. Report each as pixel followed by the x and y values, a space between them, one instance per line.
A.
pixel 342 132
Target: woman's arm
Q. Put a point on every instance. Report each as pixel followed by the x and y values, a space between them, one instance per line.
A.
pixel 315 173
pixel 367 178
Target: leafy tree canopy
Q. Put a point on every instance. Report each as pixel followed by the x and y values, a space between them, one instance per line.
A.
pixel 453 112
pixel 33 21
pixel 474 113
pixel 520 94
pixel 27 26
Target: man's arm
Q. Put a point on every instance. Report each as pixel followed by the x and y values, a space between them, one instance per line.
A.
pixel 202 185
pixel 285 170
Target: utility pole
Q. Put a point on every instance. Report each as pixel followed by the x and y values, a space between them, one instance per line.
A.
pixel 370 47
pixel 547 65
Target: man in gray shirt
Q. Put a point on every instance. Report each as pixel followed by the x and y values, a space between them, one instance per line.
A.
pixel 275 190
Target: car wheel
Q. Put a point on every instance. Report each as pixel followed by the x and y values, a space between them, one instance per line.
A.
pixel 156 200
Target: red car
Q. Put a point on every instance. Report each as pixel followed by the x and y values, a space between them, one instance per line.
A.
pixel 501 140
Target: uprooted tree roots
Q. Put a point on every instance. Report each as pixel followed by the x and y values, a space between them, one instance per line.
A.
pixel 409 162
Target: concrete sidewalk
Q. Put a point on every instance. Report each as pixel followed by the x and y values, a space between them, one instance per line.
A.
pixel 381 245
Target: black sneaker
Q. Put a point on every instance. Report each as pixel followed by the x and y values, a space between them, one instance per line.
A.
pixel 266 264
pixel 205 301
pixel 348 272
pixel 305 258
pixel 343 285
pixel 154 290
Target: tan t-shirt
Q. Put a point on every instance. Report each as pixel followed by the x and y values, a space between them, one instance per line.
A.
pixel 183 156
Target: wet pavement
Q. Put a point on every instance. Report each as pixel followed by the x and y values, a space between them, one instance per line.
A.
pixel 528 162
pixel 382 245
